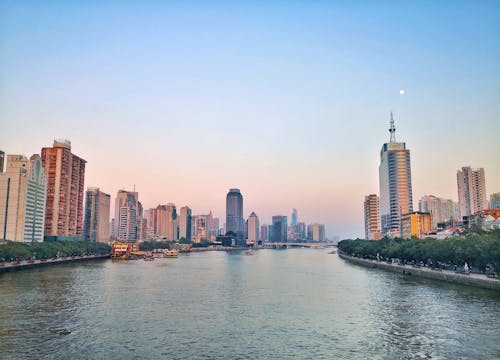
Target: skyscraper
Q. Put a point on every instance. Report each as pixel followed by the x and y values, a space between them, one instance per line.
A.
pixel 294 218
pixel 66 174
pixel 185 223
pixel 279 229
pixel 316 232
pixel 372 217
pixel 234 213
pixel 253 229
pixel 96 224
pixel 126 212
pixel 23 190
pixel 395 184
pixel 471 190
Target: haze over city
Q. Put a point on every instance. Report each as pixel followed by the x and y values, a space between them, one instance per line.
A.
pixel 287 102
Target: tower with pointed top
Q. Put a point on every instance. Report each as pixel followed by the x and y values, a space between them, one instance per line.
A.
pixel 395 183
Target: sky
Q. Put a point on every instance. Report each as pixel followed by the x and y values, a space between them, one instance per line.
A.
pixel 288 101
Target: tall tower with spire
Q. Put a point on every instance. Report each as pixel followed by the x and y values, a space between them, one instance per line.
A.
pixel 395 183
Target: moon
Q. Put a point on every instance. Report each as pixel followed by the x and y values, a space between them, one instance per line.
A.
pixel 401 92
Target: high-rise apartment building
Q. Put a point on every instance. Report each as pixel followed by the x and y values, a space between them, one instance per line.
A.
pixel 253 229
pixel 23 191
pixel 234 213
pixel 172 222
pixel 185 223
pixel 126 216
pixel 471 191
pixel 65 174
pixel 316 232
pixel 279 229
pixel 264 233
pixel 440 210
pixel 372 217
pixel 395 184
pixel 96 224
pixel 495 201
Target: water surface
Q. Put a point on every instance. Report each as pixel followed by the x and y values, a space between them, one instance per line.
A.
pixel 277 304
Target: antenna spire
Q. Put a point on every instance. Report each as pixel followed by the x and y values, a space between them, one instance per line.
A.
pixel 392 130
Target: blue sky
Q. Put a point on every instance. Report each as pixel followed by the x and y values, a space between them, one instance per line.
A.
pixel 288 101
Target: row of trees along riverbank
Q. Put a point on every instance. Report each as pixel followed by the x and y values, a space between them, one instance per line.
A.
pixel 12 250
pixel 479 250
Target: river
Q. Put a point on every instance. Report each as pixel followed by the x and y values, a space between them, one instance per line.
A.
pixel 276 304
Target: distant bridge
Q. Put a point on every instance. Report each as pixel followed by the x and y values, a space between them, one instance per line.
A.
pixel 286 245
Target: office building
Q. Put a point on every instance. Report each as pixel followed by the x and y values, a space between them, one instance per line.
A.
pixel 395 183
pixel 253 229
pixel 495 201
pixel 64 207
pixel 471 191
pixel 372 217
pixel 279 229
pixel 126 215
pixel 96 224
pixel 264 233
pixel 185 223
pixel 294 217
pixel 23 190
pixel 415 224
pixel 172 222
pixel 234 213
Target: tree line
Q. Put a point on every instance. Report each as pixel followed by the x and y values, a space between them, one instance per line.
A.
pixel 44 250
pixel 477 249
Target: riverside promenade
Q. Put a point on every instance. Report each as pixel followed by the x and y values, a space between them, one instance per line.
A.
pixel 478 280
pixel 29 264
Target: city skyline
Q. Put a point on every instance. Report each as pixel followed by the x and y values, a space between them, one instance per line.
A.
pixel 325 77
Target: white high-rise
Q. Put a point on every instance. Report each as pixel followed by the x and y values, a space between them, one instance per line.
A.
pixel 126 216
pixel 471 190
pixel 441 210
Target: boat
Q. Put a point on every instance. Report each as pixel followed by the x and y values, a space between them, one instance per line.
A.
pixel 249 252
pixel 148 257
pixel 171 253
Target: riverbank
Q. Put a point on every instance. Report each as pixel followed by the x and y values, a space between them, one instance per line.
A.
pixel 477 280
pixel 27 264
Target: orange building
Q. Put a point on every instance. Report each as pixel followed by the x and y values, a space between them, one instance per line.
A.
pixel 416 224
pixel 65 178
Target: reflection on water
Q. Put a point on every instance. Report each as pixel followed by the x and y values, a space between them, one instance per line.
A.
pixel 299 303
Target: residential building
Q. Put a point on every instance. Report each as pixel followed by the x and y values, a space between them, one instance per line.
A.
pixel 395 183
pixel 126 216
pixel 64 207
pixel 471 190
pixel 96 223
pixel 234 213
pixel 441 210
pixel 316 232
pixel 253 229
pixel 279 229
pixel 185 223
pixel 372 217
pixel 495 201
pixel 23 189
pixel 416 224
